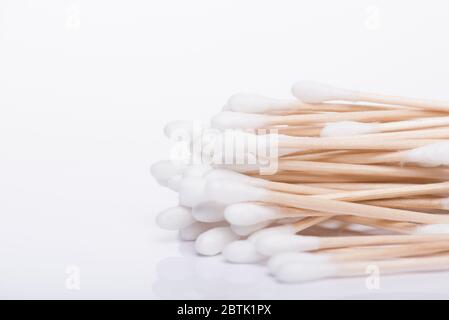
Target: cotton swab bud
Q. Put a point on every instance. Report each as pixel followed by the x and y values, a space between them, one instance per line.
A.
pixel 303 272
pixel 164 170
pixel 209 212
pixel 244 214
pixel 175 218
pixel 432 155
pixel 276 243
pixel 214 240
pixel 191 192
pixel 249 229
pixel 192 232
pixel 315 92
pixel 348 128
pixel 236 120
pixel 244 251
pixel 254 103
pixel 278 260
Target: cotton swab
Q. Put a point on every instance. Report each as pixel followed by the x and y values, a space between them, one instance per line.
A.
pixel 244 251
pixel 431 155
pixel 192 231
pixel 272 244
pixel 314 92
pixel 238 120
pixel 208 212
pixel 166 172
pixel 301 272
pixel 232 192
pixel 358 254
pixel 214 240
pixel 245 230
pixel 248 214
pixel 348 128
pixel 255 103
pixel 175 218
pixel 366 170
pixel 339 143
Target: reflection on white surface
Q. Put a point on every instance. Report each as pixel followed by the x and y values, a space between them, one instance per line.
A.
pixel 189 276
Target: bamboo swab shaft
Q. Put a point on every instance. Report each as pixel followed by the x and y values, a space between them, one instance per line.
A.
pixel 346 208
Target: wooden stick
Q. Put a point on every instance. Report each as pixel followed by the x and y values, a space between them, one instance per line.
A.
pixel 338 242
pixel 396 192
pixel 415 204
pixel 387 127
pixel 363 170
pixel 357 186
pixel 426 104
pixel 397 227
pixel 346 208
pixel 390 251
pixel 432 133
pixel 413 124
pixel 382 115
pixel 350 143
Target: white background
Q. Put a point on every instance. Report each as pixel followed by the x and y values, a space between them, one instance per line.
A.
pixel 86 87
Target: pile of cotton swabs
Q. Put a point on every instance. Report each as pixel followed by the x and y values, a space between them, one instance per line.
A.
pixel 339 180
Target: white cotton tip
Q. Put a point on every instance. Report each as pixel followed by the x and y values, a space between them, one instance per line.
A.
pixel 238 120
pixel 229 192
pixel 315 92
pixel 175 218
pixel 242 251
pixel 214 240
pixel 276 243
pixel 254 103
pixel 278 260
pixel 283 229
pixel 250 229
pixel 192 232
pixel 196 171
pixel 302 272
pixel 191 192
pixel 348 128
pixel 164 170
pixel 209 212
pixel 245 214
pixel 432 155
pixel 433 229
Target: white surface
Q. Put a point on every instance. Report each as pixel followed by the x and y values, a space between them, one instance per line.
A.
pixel 87 86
